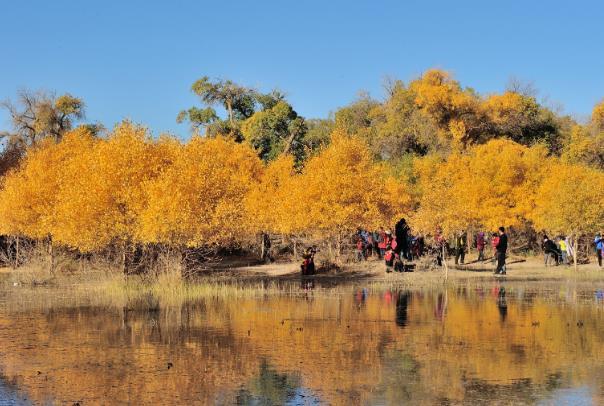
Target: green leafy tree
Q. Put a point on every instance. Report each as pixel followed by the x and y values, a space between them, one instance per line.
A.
pixel 318 134
pixel 276 130
pixel 239 102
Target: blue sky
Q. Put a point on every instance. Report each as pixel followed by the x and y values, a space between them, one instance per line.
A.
pixel 137 59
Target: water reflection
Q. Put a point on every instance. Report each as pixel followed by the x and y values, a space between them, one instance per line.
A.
pixel 505 343
pixel 270 387
pixel 402 302
pixel 502 304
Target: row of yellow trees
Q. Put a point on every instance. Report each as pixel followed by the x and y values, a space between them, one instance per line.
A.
pixel 89 193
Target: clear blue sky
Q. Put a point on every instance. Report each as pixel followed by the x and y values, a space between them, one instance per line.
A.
pixel 137 59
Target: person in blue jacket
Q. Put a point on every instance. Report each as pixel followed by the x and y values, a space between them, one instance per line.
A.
pixel 599 243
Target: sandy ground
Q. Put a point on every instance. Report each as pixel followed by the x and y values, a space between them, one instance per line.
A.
pixel 527 269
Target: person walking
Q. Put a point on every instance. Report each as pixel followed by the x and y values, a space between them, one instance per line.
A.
pixel 501 249
pixel 480 244
pixel 461 242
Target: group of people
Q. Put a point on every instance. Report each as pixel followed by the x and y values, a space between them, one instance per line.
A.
pixel 560 250
pixel 499 242
pixel 556 252
pixel 394 248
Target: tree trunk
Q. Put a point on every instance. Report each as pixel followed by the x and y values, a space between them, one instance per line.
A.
pixel 17 253
pixel 262 247
pixel 338 248
pixel 445 263
pixel 288 144
pixel 51 256
pixel 230 112
pixel 124 257
pixel 575 248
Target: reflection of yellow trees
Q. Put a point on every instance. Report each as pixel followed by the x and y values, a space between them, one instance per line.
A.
pixel 344 351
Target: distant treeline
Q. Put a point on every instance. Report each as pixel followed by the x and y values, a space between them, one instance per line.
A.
pixel 433 152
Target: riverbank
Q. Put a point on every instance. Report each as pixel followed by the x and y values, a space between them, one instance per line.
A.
pixel 518 269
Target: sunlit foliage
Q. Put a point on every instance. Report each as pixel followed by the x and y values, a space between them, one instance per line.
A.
pixel 570 200
pixel 490 185
pixel 434 152
pixel 198 199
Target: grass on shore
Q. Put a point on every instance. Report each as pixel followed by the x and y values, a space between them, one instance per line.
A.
pixel 34 285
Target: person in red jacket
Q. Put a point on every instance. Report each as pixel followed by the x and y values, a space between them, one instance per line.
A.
pixel 360 249
pixel 389 260
pixel 494 242
pixel 382 242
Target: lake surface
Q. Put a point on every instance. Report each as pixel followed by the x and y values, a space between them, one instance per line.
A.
pixel 498 344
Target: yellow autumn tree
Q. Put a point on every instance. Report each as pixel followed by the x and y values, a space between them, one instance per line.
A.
pixel 487 186
pixel 442 202
pixel 343 189
pixel 570 202
pixel 452 107
pixel 584 147
pixel 271 203
pixel 198 200
pixel 511 112
pixel 29 195
pixel 597 116
pixel 500 182
pixel 101 200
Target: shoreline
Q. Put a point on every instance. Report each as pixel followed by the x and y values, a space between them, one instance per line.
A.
pixel 373 270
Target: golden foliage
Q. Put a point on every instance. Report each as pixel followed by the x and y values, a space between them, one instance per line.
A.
pixel 90 193
pixel 569 200
pixel 198 199
pixel 490 185
pixel 342 190
pixel 597 115
pixel 271 203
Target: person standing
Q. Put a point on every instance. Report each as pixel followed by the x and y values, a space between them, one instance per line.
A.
pixel 569 249
pixel 382 243
pixel 439 246
pixel 401 233
pixel 550 251
pixel 599 242
pixel 563 250
pixel 461 241
pixel 480 244
pixel 501 249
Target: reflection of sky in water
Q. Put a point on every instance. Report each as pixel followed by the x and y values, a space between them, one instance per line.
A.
pixel 303 396
pixel 574 397
pixel 9 396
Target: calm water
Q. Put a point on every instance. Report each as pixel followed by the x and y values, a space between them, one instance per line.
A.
pixel 502 344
